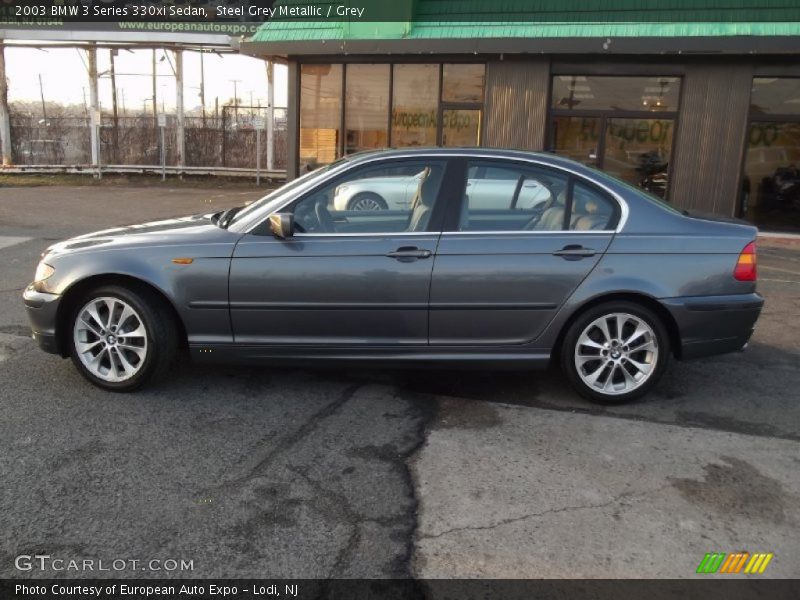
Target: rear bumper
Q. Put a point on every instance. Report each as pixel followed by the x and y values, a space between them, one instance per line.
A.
pixel 711 325
pixel 42 310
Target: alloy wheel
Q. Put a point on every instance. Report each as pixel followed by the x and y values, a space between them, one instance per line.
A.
pixel 110 339
pixel 616 353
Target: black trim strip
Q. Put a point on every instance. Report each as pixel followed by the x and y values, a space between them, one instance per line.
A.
pixel 375 305
pixel 218 304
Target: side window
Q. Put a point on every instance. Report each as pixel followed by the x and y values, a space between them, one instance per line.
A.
pixel 387 198
pixel 591 210
pixel 511 197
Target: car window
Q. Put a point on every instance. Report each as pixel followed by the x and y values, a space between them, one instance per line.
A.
pixel 591 210
pixel 392 197
pixel 512 198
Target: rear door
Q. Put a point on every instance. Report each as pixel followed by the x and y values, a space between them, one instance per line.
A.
pixel 502 273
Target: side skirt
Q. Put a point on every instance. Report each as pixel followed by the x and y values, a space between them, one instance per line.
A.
pixel 431 356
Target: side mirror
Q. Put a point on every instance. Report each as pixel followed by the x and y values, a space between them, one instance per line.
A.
pixel 282 225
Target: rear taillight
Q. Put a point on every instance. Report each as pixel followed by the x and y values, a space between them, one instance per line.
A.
pixel 746 265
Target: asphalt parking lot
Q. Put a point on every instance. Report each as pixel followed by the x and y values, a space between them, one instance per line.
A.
pixel 265 472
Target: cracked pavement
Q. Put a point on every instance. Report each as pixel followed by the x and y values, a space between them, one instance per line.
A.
pixel 259 472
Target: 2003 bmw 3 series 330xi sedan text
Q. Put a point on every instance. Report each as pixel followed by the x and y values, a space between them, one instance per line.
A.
pixel 551 260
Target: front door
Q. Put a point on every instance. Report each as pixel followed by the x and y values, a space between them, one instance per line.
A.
pixel 354 273
pixel 503 270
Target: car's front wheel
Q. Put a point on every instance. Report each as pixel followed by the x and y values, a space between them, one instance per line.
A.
pixel 122 338
pixel 615 352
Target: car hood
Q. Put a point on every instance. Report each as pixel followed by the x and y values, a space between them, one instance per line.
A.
pixel 190 230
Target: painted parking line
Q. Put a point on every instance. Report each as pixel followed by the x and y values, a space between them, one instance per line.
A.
pixel 8 240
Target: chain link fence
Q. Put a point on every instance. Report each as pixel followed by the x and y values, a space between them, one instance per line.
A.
pixel 224 140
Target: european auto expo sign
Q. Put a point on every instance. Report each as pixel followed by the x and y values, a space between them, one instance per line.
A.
pixel 639 130
pixel 453 120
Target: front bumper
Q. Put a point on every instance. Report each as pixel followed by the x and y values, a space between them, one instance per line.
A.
pixel 42 312
pixel 711 325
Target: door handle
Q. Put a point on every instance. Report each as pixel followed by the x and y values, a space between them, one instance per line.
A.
pixel 574 252
pixel 409 253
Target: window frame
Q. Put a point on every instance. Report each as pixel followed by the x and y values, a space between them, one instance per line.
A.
pixel 453 216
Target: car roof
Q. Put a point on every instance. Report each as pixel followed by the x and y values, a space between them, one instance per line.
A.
pixel 477 152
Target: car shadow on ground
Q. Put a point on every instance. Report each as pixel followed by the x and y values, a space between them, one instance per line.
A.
pixel 752 392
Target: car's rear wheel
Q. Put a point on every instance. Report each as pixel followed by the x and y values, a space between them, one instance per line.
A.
pixel 367 201
pixel 122 339
pixel 615 352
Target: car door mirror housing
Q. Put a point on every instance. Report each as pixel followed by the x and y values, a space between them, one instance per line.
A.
pixel 282 225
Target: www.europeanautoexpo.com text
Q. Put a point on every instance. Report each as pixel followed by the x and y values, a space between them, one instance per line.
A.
pixel 138 590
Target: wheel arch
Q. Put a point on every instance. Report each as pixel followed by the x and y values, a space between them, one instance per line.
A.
pixel 72 295
pixel 636 297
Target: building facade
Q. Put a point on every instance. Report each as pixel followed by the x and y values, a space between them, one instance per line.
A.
pixel 704 113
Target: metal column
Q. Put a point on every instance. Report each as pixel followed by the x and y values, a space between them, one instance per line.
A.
pixel 94 109
pixel 270 115
pixel 180 132
pixel 5 119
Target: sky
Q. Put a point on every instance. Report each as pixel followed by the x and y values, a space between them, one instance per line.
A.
pixel 65 79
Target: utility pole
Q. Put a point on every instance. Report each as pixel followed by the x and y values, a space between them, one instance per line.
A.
pixel 112 53
pixel 235 101
pixel 85 107
pixel 41 94
pixel 5 118
pixel 155 105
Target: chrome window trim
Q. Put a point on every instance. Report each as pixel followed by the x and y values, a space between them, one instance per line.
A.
pixel 534 232
pixel 386 234
pixel 623 205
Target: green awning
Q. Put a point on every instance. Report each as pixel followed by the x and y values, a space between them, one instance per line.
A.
pixel 476 21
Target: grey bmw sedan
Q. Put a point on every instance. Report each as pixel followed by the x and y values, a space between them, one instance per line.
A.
pixel 554 262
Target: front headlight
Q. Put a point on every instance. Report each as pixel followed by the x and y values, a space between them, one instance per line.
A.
pixel 43 271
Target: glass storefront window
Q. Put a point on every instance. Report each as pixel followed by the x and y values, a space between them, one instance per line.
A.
pixel 463 83
pixel 320 114
pixel 461 127
pixel 577 138
pixel 366 107
pixel 771 185
pixel 638 151
pixel 770 195
pixel 415 102
pixel 605 122
pixel 590 92
pixel 418 104
pixel 775 95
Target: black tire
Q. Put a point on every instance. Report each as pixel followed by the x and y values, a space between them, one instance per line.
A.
pixel 162 336
pixel 367 196
pixel 659 362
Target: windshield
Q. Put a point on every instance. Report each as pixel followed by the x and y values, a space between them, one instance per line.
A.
pixel 275 198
